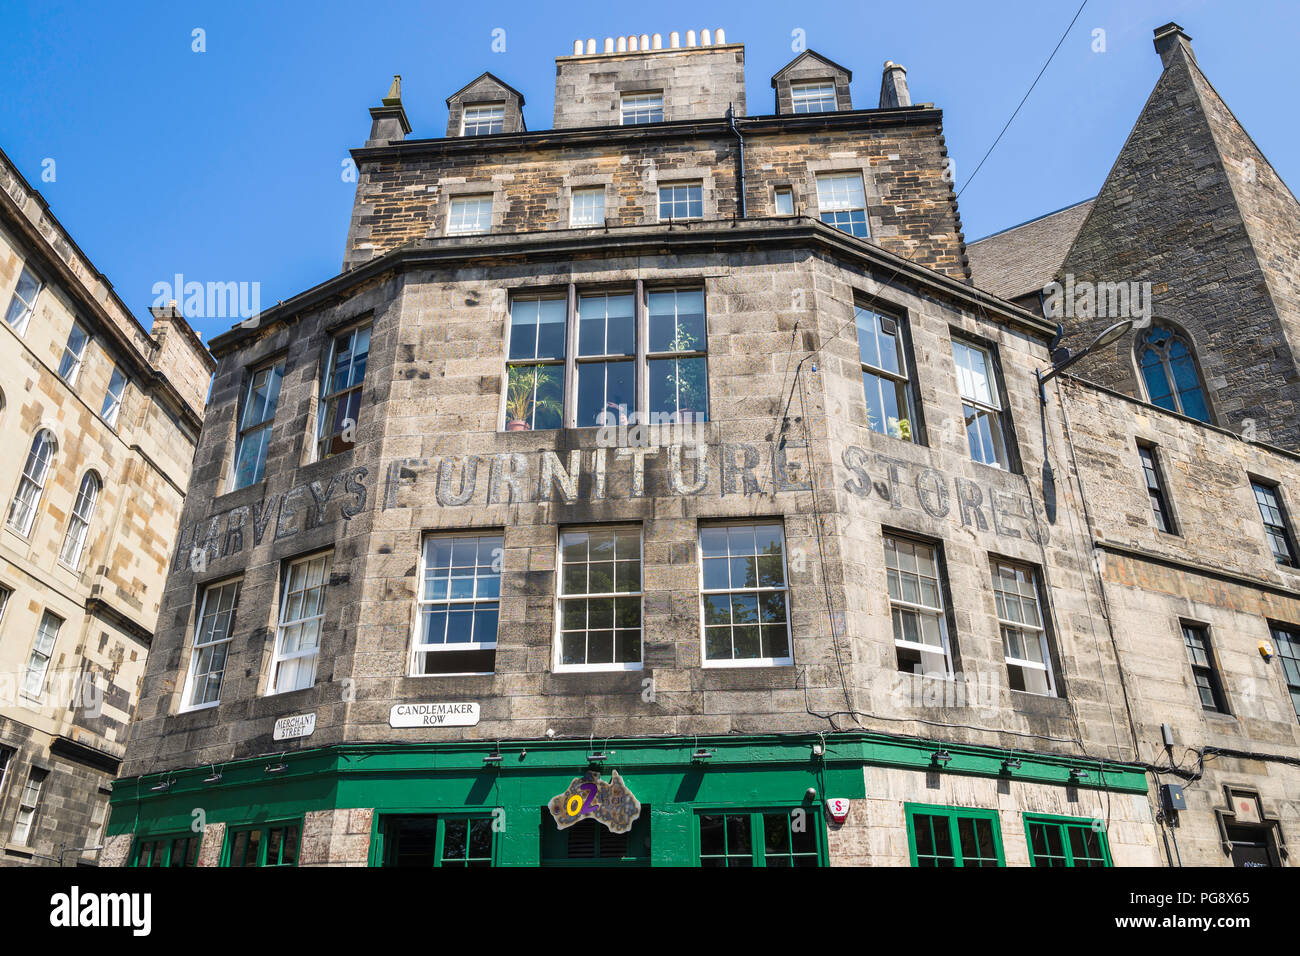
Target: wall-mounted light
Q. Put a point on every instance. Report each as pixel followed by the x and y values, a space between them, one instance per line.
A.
pixel 1010 764
pixel 819 749
pixel 1077 775
pixel 1063 358
pixel 940 757
pixel 215 777
pixel 277 767
pixel 594 758
pixel 161 786
pixel 491 760
pixel 701 755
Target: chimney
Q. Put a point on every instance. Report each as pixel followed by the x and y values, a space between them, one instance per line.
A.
pixel 388 121
pixel 1171 42
pixel 893 87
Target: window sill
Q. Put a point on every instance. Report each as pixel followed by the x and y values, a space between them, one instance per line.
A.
pixel 19 849
pixel 197 708
pixel 750 663
pixel 597 668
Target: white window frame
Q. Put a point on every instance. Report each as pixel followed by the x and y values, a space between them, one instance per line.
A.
pixel 727 525
pixel 984 408
pixel 1027 631
pixel 489 114
pixel 83 512
pixel 18 322
pixel 42 652
pixel 112 406
pixel 301 622
pixel 448 602
pixel 836 200
pixel 585 192
pixel 938 612
pixel 73 360
pixel 802 94
pixel 638 105
pixel 6 592
pixel 255 431
pixel 901 380
pixel 561 595
pixel 458 225
pixel 29 804
pixel 31 486
pixel 786 193
pixel 209 591
pixel 688 185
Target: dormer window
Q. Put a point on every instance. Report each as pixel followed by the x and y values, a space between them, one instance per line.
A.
pixel 483 119
pixel 641 108
pixel 814 97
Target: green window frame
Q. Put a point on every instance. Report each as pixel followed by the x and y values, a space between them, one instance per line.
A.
pixel 944 836
pixel 451 839
pixel 1065 841
pixel 767 837
pixel 167 850
pixel 265 844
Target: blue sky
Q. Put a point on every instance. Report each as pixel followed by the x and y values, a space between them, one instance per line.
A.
pixel 225 165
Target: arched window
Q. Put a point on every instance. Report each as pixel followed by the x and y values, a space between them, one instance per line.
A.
pixel 1170 374
pixel 74 542
pixel 23 510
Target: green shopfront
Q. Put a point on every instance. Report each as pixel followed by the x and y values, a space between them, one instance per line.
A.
pixel 765 800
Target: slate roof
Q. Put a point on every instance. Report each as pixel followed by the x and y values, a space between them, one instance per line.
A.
pixel 1025 258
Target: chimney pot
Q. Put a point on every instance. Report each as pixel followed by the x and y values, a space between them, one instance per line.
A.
pixel 690 38
pixel 1171 41
pixel 577 48
pixel 591 45
pixel 893 87
pixel 609 44
pixel 719 36
pixel 674 39
pixel 658 41
pixel 706 37
pixel 622 44
pixel 645 41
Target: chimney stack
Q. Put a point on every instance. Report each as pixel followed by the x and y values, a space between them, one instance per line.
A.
pixel 893 87
pixel 388 123
pixel 1171 42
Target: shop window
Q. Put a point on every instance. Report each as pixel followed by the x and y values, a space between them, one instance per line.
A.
pixel 765 838
pixel 590 843
pixel 167 851
pixel 1065 841
pixel 267 845
pixel 953 836
pixel 425 840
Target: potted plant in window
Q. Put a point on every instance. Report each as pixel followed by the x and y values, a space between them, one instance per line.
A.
pixel 686 379
pixel 524 396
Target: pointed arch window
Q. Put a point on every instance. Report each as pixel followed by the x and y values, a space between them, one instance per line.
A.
pixel 83 509
pixel 1170 373
pixel 37 468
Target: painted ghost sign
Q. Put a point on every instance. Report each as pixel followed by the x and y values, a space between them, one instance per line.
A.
pixel 301 508
pixel 731 468
pixel 589 798
pixel 982 506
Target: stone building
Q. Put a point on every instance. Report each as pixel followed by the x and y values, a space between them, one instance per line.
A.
pixel 660 488
pixel 101 418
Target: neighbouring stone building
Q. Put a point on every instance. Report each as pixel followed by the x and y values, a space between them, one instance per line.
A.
pixel 101 418
pixel 661 488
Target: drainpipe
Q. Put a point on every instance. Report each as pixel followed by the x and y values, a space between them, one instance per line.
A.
pixel 740 159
